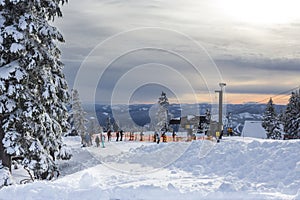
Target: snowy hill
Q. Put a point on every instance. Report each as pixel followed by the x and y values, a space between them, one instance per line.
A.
pixel 235 168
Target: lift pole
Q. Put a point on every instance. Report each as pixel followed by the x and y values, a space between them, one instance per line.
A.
pixel 220 124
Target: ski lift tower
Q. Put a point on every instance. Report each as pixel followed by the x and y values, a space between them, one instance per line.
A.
pixel 220 123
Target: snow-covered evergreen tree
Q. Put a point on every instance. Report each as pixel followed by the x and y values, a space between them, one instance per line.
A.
pixel 163 100
pixel 79 117
pixel 162 113
pixel 72 131
pixel 33 90
pixel 291 117
pixel 108 124
pixel 94 127
pixel 270 121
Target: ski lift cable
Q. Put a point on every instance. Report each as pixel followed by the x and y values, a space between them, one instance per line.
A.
pixel 285 93
pixel 279 94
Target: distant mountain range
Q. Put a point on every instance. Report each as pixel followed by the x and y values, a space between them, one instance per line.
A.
pixel 139 115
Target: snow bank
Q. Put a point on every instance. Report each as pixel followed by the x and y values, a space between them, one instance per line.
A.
pixel 250 164
pixel 235 168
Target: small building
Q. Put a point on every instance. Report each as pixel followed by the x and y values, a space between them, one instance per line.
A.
pixel 254 129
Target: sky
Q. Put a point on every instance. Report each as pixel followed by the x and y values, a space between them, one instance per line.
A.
pixel 129 51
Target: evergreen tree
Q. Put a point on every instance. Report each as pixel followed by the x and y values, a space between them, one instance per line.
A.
pixel 163 100
pixel 116 126
pixel 72 131
pixel 94 127
pixel 79 119
pixel 292 116
pixel 33 90
pixel 270 121
pixel 162 113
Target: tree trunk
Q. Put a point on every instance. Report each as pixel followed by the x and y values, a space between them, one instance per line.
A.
pixel 6 159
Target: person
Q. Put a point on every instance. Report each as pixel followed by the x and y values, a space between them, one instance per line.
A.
pixel 118 135
pixel 121 134
pixel 164 136
pixel 108 135
pixel 157 137
pixel 230 132
pixel 97 140
pixel 87 140
pixel 131 136
pixel 102 140
pixel 221 135
pixel 141 136
pixel 173 135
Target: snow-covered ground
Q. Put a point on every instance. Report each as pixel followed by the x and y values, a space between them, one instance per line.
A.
pixel 235 168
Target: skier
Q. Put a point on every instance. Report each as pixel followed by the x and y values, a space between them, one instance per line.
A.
pixel 97 140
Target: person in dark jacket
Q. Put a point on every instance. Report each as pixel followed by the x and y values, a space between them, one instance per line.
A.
pixel 157 136
pixel 97 140
pixel 117 135
pixel 108 135
pixel 121 134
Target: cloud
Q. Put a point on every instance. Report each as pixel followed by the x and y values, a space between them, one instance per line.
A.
pixel 251 58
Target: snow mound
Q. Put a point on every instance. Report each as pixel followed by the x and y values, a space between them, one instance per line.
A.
pixel 86 180
pixel 235 168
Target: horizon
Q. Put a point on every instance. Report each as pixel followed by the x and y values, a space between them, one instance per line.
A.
pixel 202 103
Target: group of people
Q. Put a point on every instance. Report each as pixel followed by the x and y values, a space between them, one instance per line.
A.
pixel 120 134
pixel 164 137
pixel 98 140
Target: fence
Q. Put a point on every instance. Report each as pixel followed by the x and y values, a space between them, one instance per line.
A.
pixel 147 137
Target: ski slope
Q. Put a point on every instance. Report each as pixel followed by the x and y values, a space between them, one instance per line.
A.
pixel 235 168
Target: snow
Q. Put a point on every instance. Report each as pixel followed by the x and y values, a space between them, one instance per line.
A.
pixel 15 47
pixel 4 175
pixel 254 129
pixel 11 30
pixel 235 168
pixel 22 23
pixel 19 75
pixel 246 115
pixel 5 71
pixel 10 105
pixel 190 117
